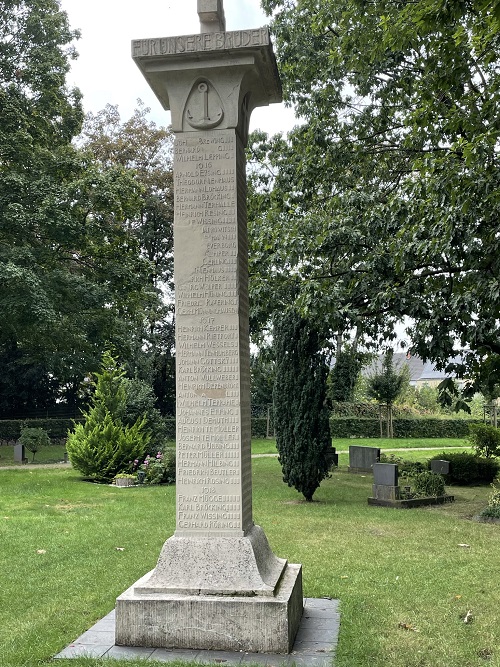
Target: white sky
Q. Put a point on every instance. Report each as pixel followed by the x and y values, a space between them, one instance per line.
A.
pixel 105 71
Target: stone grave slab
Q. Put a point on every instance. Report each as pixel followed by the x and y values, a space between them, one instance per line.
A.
pixel 440 467
pixel 362 459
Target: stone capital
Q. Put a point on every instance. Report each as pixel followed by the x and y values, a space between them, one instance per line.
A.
pixel 222 75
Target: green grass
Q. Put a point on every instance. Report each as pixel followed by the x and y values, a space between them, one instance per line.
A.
pixel 55 453
pixel 268 446
pixel 387 567
pixel 50 454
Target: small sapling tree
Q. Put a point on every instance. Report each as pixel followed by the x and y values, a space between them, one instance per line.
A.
pixel 300 413
pixel 386 386
pixel 34 439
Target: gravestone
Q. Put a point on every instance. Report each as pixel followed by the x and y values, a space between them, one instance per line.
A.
pixel 217 584
pixel 440 467
pixel 362 459
pixel 19 454
pixel 385 481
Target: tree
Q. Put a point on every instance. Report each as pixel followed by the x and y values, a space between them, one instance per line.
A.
pixel 300 415
pixel 386 200
pixel 386 386
pixel 73 277
pixel 140 147
pixel 104 445
pixel 344 375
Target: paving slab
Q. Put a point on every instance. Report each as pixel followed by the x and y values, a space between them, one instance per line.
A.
pixel 314 646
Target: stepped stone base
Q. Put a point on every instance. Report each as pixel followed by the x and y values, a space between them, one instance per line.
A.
pixel 259 624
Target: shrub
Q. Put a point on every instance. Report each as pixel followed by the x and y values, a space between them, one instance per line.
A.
pixel 140 403
pixel 347 427
pixel 33 439
pixel 158 469
pixel 103 445
pixel 467 468
pixel 493 509
pixel 427 484
pixel 485 439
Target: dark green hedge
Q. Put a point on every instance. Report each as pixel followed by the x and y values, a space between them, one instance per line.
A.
pixel 348 427
pixel 341 427
pixel 466 468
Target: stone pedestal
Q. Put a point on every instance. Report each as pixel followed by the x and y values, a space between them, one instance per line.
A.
pixel 217 583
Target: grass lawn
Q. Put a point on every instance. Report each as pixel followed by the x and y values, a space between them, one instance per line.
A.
pixel 55 453
pixel 403 579
pixel 268 446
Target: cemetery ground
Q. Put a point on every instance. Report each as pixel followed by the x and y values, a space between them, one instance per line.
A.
pixel 407 580
pixel 55 453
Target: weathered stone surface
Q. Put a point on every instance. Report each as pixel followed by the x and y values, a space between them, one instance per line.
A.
pixel 362 459
pixel 217 583
pixel 19 454
pixel 440 467
pixel 385 474
pixel 256 624
pixel 386 492
pixel 211 13
pixel 217 566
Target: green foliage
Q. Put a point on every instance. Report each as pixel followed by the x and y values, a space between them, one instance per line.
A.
pixel 386 385
pixel 428 483
pixel 300 414
pixel 485 440
pixel 467 469
pixel 33 439
pixel 406 468
pixel 262 376
pixel 140 403
pixel 492 511
pixel 141 148
pixel 343 376
pixel 10 429
pixel 347 427
pixel 103 445
pixel 74 276
pixel 158 469
pixel 385 198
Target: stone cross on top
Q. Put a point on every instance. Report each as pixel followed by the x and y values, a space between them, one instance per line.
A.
pixel 211 13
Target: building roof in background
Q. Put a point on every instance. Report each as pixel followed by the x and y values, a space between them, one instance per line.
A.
pixel 419 371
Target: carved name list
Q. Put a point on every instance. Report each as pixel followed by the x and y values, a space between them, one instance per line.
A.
pixel 210 244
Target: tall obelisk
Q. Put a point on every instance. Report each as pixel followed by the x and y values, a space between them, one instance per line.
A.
pixel 217 583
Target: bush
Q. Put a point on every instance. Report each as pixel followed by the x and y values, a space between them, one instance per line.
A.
pixel 467 469
pixel 33 439
pixel 493 509
pixel 347 427
pixel 103 445
pixel 485 439
pixel 427 484
pixel 158 469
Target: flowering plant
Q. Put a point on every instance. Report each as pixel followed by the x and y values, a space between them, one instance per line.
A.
pixel 158 469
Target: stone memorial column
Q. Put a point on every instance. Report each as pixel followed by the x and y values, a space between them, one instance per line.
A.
pixel 217 583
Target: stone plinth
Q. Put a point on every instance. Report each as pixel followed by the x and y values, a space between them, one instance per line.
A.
pixel 240 623
pixel 217 583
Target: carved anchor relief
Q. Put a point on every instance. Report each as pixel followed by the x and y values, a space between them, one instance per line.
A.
pixel 204 107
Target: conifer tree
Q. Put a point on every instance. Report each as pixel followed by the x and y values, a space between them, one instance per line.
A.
pixel 103 445
pixel 300 413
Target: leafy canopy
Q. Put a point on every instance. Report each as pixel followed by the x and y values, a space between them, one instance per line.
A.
pixel 385 201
